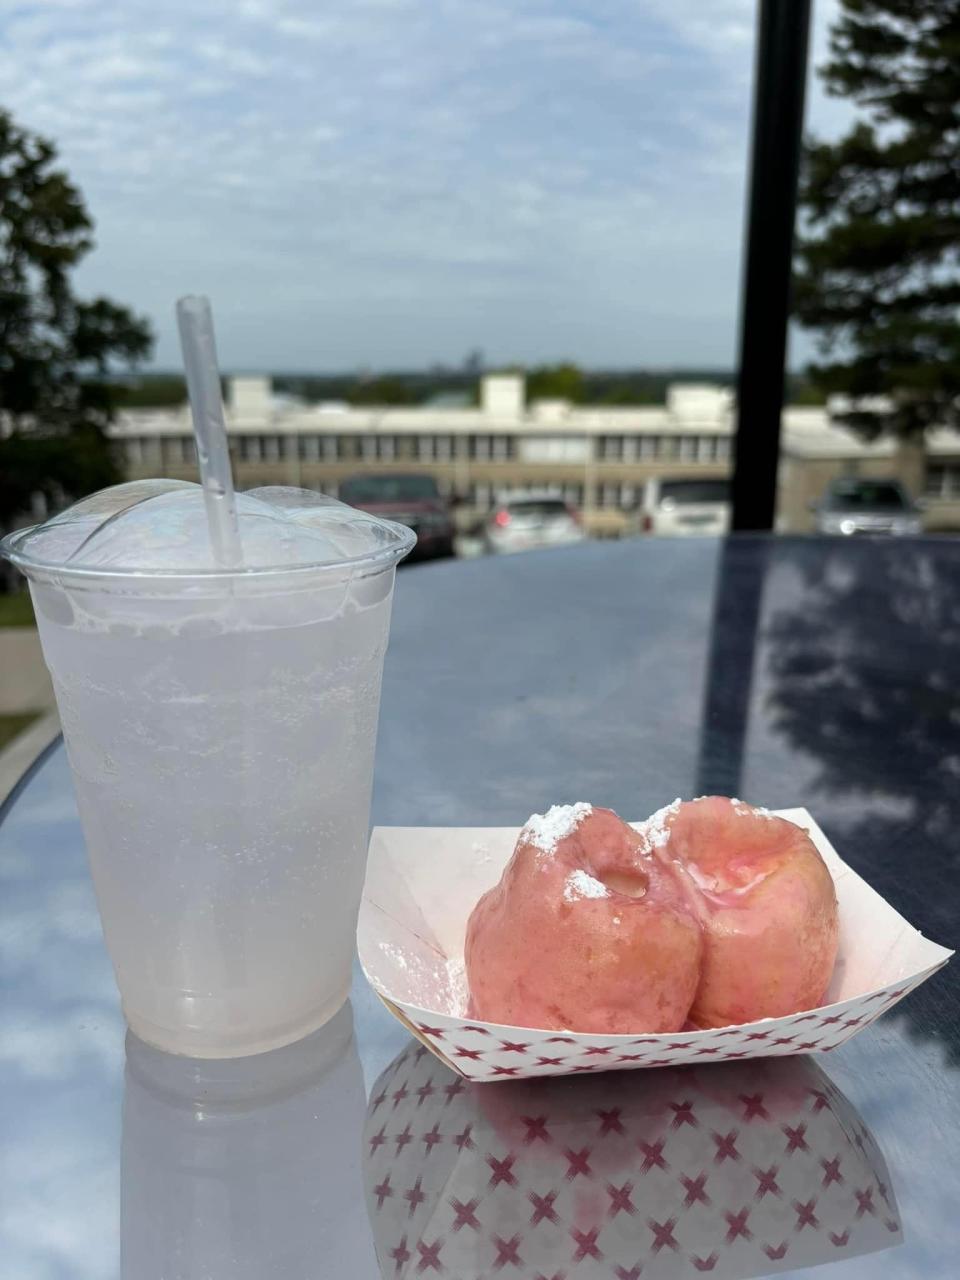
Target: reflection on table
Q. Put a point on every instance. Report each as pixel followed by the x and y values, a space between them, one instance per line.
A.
pixel 733 1170
pixel 243 1169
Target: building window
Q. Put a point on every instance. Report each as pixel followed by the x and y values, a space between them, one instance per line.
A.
pixel 687 448
pixel 150 451
pixel 329 446
pixel 253 448
pixel 628 496
pixel 175 451
pixel 349 447
pixel 943 480
pixel 308 448
pixel 723 448
pixel 436 448
pixel 649 448
pixel 611 448
pixel 480 448
pixel 134 450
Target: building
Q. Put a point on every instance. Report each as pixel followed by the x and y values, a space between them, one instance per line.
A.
pixel 598 459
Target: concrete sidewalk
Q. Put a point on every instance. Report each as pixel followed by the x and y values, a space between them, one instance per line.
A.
pixel 24 687
pixel 24 681
pixel 18 755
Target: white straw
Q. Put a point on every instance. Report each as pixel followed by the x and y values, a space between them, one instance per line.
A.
pixel 195 320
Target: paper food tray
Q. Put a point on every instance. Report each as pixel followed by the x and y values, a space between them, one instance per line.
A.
pixel 423 882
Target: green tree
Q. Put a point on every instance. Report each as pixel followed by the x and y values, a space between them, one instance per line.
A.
pixel 56 351
pixel 555 382
pixel 878 268
pixel 151 391
pixel 388 389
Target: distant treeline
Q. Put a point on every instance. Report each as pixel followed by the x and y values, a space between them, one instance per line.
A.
pixel 404 387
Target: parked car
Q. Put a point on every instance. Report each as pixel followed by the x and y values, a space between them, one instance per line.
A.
pixel 685 506
pixel 851 505
pixel 410 499
pixel 521 522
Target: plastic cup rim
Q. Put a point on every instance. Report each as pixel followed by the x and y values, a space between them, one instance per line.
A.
pixel 64 574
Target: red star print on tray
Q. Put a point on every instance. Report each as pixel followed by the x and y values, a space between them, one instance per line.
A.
pixel 511 1053
pixel 730 1173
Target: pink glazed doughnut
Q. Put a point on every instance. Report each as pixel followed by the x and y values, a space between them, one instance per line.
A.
pixel 765 899
pixel 586 931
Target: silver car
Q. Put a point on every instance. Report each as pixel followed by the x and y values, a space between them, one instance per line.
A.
pixel 852 506
pixel 526 521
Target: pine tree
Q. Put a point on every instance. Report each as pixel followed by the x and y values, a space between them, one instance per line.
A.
pixel 56 350
pixel 878 263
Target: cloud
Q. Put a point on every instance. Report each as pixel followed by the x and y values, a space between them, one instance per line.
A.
pixel 381 181
pixel 61 1217
pixel 49 1047
pixel 722 28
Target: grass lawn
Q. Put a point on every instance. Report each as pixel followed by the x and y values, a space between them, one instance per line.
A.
pixel 16 610
pixel 10 726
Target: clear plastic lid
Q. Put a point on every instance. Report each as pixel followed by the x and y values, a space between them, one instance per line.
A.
pixel 158 529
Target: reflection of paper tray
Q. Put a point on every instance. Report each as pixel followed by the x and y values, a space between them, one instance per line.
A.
pixel 422 884
pixel 743 1170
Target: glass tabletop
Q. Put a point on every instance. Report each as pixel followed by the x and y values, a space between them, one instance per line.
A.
pixel 791 672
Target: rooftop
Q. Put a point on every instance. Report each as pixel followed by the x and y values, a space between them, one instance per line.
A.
pixel 690 409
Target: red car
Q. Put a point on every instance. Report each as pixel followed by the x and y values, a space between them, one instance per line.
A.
pixel 411 499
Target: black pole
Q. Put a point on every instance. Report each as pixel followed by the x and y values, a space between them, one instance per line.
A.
pixel 728 689
pixel 779 82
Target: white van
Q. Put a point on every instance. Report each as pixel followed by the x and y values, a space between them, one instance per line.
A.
pixel 686 506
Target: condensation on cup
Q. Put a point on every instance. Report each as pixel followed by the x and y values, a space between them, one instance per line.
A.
pixel 220 725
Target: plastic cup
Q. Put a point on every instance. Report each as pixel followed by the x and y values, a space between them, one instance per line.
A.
pixel 220 727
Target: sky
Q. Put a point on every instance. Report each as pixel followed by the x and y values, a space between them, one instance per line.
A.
pixel 393 183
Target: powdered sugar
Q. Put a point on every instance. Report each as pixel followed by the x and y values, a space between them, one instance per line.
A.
pixel 480 851
pixel 580 884
pixel 744 810
pixel 459 987
pixel 545 830
pixel 656 829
